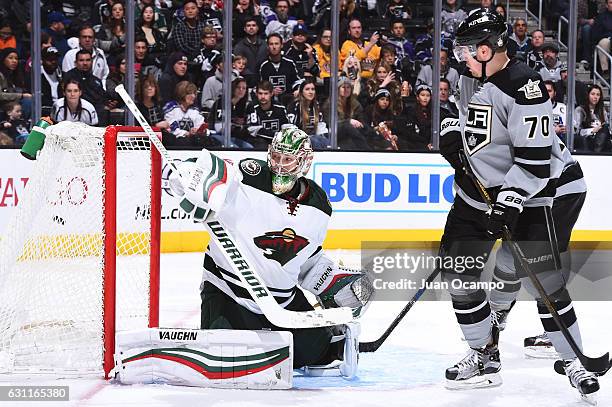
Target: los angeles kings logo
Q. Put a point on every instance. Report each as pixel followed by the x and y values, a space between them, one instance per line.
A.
pixel 281 246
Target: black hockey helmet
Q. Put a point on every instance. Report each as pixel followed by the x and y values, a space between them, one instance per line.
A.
pixel 483 26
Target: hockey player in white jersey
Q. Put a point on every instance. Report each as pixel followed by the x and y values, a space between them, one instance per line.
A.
pixel 280 219
pixel 507 134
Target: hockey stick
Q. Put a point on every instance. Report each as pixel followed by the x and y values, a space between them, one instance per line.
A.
pixel 598 365
pixel 241 265
pixel 374 345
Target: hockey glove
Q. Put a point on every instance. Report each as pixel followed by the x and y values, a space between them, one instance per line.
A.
pixel 505 212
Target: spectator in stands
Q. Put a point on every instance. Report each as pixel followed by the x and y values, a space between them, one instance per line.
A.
pixel 351 131
pixel 601 33
pixel 520 40
pixel 7 39
pixel 51 77
pixel 57 31
pixel 187 33
pixel 245 10
pixel 306 114
pixel 210 16
pixel 447 108
pixel 159 18
pixel 72 107
pixel 446 71
pixel 501 10
pixel 592 132
pixel 15 126
pixel 388 55
pixel 202 67
pixel 264 118
pixel 385 123
pixel 367 52
pixel 322 49
pixel 145 64
pixel 550 69
pixel 87 40
pixel 418 135
pixel 240 100
pixel 398 10
pixel 101 12
pixel 186 122
pixel 92 87
pixel 352 70
pixel 111 35
pixel 148 101
pixel 278 70
pixel 239 64
pixel 253 48
pixel 452 15
pixel 586 19
pixel 384 77
pixel 534 55
pixel 12 82
pixel 175 72
pixel 581 89
pixel 403 47
pixel 301 52
pixel 559 112
pixel 322 16
pixel 424 43
pixel 146 28
pixel 213 87
pixel 116 78
pixel 280 22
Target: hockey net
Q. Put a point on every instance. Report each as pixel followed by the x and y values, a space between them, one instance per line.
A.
pixel 79 260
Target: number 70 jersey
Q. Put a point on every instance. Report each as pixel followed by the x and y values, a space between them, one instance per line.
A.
pixel 508 132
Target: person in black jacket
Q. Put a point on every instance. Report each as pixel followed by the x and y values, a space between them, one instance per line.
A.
pixel 264 118
pixel 51 76
pixel 175 72
pixel 418 136
pixel 91 86
pixel 278 70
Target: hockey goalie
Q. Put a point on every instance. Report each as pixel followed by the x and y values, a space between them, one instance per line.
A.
pixel 279 218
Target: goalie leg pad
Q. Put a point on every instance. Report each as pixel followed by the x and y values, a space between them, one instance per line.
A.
pixel 220 358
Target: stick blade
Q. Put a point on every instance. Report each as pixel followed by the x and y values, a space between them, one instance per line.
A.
pixel 598 365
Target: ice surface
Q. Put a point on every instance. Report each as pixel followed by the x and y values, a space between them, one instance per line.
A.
pixel 408 370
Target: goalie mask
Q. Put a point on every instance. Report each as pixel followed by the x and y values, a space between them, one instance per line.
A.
pixel 289 157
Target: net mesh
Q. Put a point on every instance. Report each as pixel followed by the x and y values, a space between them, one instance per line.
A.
pixel 52 261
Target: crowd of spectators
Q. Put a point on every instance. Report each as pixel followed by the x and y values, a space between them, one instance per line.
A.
pixel 281 68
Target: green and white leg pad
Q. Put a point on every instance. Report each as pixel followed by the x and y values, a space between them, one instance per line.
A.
pixel 222 358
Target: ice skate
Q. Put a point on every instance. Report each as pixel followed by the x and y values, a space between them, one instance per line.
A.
pixel 584 381
pixel 479 368
pixel 540 347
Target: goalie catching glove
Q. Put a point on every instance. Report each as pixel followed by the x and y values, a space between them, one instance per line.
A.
pixel 338 286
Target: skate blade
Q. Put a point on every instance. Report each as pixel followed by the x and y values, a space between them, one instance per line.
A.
pixel 476 382
pixel 589 399
pixel 540 352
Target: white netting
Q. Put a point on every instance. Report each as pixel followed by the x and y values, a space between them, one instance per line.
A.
pixel 52 253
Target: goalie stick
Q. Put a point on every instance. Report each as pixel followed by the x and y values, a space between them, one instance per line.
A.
pixel 241 265
pixel 374 345
pixel 599 365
